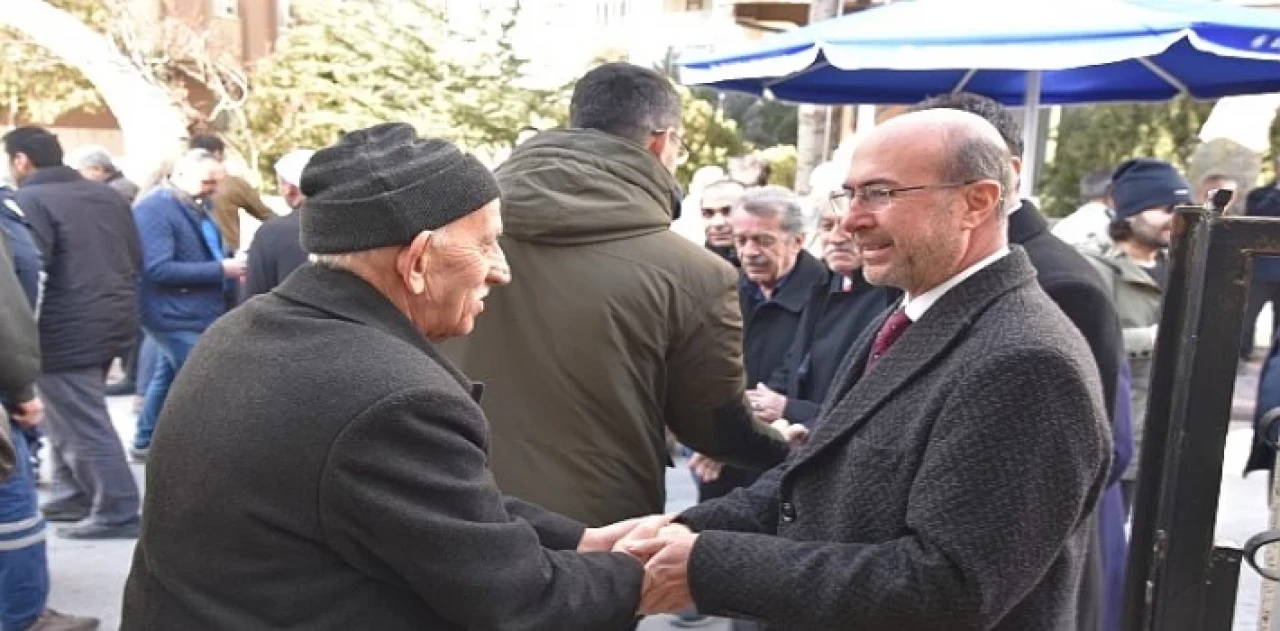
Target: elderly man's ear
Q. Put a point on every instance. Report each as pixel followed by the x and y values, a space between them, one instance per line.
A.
pixel 412 265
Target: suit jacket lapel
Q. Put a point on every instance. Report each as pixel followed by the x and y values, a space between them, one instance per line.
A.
pixel 856 397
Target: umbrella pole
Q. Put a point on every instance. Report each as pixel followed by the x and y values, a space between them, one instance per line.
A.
pixel 1030 134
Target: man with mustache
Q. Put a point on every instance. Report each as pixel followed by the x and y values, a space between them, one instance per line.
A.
pixel 838 312
pixel 778 276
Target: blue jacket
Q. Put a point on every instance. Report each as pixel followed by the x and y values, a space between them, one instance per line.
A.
pixel 26 254
pixel 182 285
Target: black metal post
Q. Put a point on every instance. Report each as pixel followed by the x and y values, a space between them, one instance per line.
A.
pixel 1172 582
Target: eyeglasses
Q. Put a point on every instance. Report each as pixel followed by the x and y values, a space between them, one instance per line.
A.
pixel 682 149
pixel 876 198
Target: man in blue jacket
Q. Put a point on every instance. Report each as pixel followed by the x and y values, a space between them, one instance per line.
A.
pixel 24 567
pixel 88 317
pixel 187 279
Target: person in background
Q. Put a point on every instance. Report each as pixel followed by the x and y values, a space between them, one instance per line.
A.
pixel 839 311
pixel 24 566
pixel 717 200
pixel 187 279
pixel 777 278
pixel 277 247
pixel 95 163
pixel 1264 287
pixel 1136 272
pixel 88 316
pixel 1086 228
pixel 233 194
pixel 1213 182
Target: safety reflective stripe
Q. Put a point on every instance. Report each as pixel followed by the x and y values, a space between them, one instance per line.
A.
pixel 9 528
pixel 24 542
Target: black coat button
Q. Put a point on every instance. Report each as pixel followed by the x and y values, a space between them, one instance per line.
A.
pixel 788 512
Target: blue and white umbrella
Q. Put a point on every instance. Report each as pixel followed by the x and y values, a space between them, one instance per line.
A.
pixel 1019 52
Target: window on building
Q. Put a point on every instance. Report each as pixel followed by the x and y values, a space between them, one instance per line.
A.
pixel 226 8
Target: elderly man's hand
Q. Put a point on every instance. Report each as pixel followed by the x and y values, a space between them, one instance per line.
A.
pixel 666 580
pixel 766 404
pixel 607 538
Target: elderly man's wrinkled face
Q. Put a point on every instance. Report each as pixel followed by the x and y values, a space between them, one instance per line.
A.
pixel 458 266
pixel 905 220
pixel 767 252
pixel 717 201
pixel 837 245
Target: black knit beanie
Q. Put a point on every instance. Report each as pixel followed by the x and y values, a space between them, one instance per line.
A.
pixel 383 185
pixel 1143 183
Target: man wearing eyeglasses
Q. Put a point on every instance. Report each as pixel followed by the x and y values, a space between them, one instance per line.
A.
pixel 1078 291
pixel 614 328
pixel 962 448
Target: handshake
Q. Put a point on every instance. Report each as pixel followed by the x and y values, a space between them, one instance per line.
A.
pixel 662 547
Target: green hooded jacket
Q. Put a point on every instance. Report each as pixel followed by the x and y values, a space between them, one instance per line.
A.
pixel 613 329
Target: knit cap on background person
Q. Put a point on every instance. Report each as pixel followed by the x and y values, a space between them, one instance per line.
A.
pixel 1144 183
pixel 384 185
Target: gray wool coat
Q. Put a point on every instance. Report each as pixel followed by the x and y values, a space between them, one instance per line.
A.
pixel 949 488
pixel 319 466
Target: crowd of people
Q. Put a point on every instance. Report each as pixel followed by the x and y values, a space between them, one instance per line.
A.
pixel 439 396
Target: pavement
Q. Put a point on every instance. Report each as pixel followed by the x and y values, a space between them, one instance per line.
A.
pixel 88 577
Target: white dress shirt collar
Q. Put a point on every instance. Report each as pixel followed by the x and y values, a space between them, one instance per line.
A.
pixel 916 306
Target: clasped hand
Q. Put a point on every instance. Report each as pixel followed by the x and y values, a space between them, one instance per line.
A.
pixel 663 548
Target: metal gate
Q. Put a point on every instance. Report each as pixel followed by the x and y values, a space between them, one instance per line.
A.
pixel 1178 578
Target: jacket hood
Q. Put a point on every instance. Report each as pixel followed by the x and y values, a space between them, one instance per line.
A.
pixel 581 186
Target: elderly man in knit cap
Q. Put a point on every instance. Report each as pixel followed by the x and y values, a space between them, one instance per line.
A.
pixel 1135 271
pixel 321 466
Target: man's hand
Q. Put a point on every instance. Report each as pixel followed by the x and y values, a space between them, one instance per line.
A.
pixel 607 538
pixel 706 469
pixel 233 268
pixel 666 584
pixel 766 404
pixel 29 414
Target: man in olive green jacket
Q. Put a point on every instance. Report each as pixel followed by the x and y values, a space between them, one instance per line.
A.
pixel 1135 272
pixel 614 328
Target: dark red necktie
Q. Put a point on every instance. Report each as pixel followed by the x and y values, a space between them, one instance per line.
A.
pixel 889 333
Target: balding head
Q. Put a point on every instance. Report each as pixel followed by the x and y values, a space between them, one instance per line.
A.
pixel 928 189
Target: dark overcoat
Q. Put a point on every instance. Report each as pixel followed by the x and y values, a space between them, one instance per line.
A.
pixel 319 466
pixel 950 488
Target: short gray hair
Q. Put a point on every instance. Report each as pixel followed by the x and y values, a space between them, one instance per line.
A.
pixel 91 156
pixel 972 157
pixel 775 201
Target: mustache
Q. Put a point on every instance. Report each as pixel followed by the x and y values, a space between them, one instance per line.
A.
pixel 755 261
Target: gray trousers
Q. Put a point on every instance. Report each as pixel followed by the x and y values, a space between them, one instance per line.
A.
pixel 89 466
